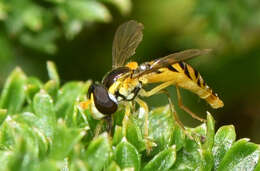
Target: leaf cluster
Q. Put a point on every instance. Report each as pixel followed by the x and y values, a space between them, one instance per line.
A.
pixel 38 24
pixel 228 20
pixel 42 127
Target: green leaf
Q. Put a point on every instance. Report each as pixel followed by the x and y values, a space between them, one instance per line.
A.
pixel 78 165
pixel 75 13
pixel 51 87
pixel 178 137
pixel 118 135
pixel 3 11
pixel 43 41
pixel 163 160
pixel 67 97
pixel 64 140
pixel 3 114
pixel 134 134
pixel 224 139
pixel 35 138
pixel 88 10
pixel 46 165
pixel 126 155
pixel 161 126
pixel 98 152
pixel 208 144
pixel 5 157
pixel 32 17
pixel 52 71
pixel 18 159
pixel 113 167
pixel 123 5
pixel 257 168
pixel 22 127
pixel 33 86
pixel 44 109
pixel 93 123
pixel 79 117
pixel 119 116
pixel 243 155
pixel 13 94
pixel 190 156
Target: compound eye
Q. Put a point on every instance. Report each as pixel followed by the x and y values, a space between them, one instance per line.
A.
pixel 103 102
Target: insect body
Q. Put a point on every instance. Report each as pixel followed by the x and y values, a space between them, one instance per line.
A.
pixel 126 81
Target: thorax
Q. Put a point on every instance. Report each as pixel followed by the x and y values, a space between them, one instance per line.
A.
pixel 120 84
pixel 125 90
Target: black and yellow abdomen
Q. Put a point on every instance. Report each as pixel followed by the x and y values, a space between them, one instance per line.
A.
pixel 183 75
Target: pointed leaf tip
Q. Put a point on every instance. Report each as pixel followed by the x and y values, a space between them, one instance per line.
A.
pixel 126 155
pixel 13 93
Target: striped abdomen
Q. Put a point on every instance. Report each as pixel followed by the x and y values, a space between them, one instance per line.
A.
pixel 184 76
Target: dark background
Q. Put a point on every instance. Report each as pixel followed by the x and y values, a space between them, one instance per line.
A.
pixel 77 35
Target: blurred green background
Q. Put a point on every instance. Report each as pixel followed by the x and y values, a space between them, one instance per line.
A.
pixel 77 35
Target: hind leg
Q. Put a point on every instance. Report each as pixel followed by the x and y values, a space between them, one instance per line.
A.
pixel 161 89
pixel 193 115
pixel 173 112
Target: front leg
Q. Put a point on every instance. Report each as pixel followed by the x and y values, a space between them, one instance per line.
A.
pixel 143 105
pixel 126 117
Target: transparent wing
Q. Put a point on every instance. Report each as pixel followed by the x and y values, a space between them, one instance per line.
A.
pixel 171 59
pixel 127 38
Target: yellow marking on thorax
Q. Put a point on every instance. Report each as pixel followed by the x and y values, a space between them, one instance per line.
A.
pixel 128 85
pixel 124 86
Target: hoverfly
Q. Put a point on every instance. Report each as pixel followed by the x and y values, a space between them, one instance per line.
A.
pixel 124 83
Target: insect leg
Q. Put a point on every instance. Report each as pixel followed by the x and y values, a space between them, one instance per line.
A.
pixel 155 89
pixel 193 115
pixel 145 107
pixel 109 120
pixel 146 122
pixel 174 114
pixel 126 117
pixel 173 111
pixel 98 128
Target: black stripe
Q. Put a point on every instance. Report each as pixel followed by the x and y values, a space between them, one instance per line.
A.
pixel 196 73
pixel 171 68
pixel 204 84
pixel 117 94
pixel 182 65
pixel 186 71
pixel 198 82
pixel 135 91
